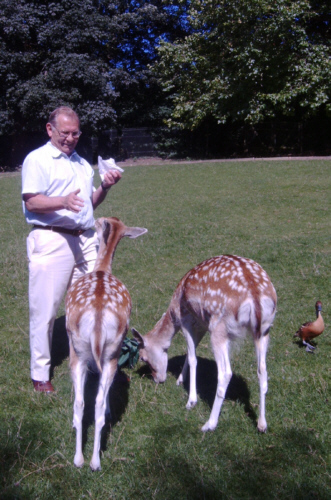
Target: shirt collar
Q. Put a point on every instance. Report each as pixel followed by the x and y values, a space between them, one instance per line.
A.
pixel 56 153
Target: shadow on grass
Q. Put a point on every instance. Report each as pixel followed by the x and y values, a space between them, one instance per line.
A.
pixel 118 393
pixel 60 344
pixel 118 401
pixel 11 467
pixel 259 471
pixel 301 345
pixel 207 384
pixel 256 473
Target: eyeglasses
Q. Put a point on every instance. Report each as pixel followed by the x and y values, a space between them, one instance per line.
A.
pixel 65 135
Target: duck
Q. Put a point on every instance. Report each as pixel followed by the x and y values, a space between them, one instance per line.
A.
pixel 311 329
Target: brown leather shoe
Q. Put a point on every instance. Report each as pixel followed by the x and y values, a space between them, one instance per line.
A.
pixel 43 386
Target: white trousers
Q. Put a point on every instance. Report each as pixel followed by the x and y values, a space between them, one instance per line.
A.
pixel 55 261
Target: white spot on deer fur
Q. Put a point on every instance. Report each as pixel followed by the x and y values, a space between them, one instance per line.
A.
pixel 233 284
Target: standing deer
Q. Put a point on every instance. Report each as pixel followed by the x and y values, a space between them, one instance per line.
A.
pixel 227 296
pixel 98 308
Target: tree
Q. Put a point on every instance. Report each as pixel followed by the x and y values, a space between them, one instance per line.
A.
pixel 140 100
pixel 249 60
pixel 49 57
pixel 89 54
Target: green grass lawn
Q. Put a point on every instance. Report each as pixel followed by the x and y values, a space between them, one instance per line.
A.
pixel 275 212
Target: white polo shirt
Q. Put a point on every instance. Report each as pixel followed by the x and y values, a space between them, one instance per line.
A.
pixel 50 172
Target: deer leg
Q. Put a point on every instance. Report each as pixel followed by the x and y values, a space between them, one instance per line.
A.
pixel 183 374
pixel 108 412
pixel 193 333
pixel 191 361
pixel 106 379
pixel 221 353
pixel 78 373
pixel 261 346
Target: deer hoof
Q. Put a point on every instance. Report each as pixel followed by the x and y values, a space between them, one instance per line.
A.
pixel 78 462
pixel 208 427
pixel 191 404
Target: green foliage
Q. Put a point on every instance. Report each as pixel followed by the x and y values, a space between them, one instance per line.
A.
pixel 127 63
pixel 249 61
pixel 129 353
pixel 51 54
pixel 92 55
pixel 276 212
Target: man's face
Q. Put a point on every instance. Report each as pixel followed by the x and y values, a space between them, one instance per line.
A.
pixel 64 125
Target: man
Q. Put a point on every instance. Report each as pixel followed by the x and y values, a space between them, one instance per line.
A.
pixel 58 201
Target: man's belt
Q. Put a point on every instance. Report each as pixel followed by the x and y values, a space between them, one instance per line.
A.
pixel 57 229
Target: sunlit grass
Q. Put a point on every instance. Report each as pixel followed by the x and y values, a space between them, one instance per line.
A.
pixel 275 212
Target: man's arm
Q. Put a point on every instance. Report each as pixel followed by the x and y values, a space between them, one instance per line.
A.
pixel 110 178
pixel 41 204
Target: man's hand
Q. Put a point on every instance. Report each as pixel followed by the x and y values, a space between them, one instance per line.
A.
pixel 111 177
pixel 72 202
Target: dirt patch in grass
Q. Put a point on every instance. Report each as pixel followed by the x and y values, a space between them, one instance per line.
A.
pixel 145 160
pixel 156 160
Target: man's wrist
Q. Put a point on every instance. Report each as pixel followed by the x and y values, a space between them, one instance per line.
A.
pixel 104 188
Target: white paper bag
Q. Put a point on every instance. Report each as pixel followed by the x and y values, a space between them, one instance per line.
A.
pixel 106 165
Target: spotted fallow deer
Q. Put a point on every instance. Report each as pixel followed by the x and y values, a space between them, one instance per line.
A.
pixel 98 308
pixel 227 296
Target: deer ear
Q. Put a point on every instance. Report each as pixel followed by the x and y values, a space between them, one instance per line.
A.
pixel 134 232
pixel 139 338
pixel 106 228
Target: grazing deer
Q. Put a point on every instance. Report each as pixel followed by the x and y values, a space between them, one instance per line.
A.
pixel 98 308
pixel 227 296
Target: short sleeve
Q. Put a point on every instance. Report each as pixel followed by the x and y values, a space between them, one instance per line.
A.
pixel 34 175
